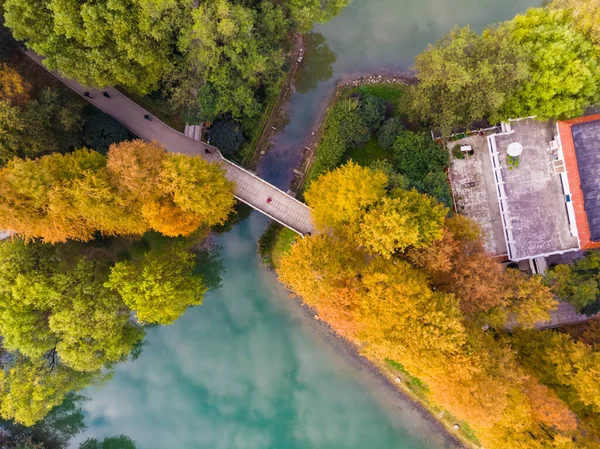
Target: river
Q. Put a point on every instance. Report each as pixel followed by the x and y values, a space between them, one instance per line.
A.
pixel 248 369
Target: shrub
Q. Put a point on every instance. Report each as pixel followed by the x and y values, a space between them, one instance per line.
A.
pixel 388 132
pixel 227 136
pixel 457 152
pixel 372 111
pixel 344 129
pixel 416 155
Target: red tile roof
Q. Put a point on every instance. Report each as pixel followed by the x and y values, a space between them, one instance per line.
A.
pixel 568 147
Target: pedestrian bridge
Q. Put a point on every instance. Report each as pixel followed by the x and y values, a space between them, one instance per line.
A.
pixel 249 188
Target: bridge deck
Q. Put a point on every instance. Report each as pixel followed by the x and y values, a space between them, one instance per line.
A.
pixel 249 188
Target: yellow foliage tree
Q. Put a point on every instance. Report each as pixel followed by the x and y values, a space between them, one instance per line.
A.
pixel 407 219
pixel 13 87
pixel 60 197
pixel 531 302
pixel 339 198
pixel 198 188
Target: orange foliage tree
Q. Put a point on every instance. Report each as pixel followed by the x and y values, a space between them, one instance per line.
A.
pixel 60 197
pixel 421 303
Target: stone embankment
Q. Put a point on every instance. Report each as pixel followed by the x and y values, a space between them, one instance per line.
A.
pixel 378 78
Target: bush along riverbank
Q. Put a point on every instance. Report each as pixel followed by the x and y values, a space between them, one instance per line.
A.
pixel 370 125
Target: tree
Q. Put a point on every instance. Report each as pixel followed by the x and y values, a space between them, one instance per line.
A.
pixel 571 369
pixel 119 42
pixel 319 266
pixel 562 63
pixel 417 155
pixel 407 219
pixel 227 136
pixel 388 133
pixel 101 131
pixel 423 163
pixel 61 424
pixel 372 111
pixel 237 50
pixel 73 315
pixel 585 15
pixel 11 126
pixel 160 287
pixel 306 12
pixel 48 124
pixel 577 283
pixel 339 198
pixel 60 197
pixel 30 389
pixel 119 442
pixel 459 264
pixel 531 301
pixel 395 180
pixel 465 77
pixel 13 88
pixel 197 187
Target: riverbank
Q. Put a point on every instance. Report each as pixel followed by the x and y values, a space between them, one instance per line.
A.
pixel 274 116
pixel 392 382
pixel 394 396
pixel 309 147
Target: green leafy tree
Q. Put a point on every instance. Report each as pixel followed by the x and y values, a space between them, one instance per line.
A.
pixel 53 432
pixel 465 77
pixel 395 179
pixel 49 304
pixel 238 51
pixel 577 283
pixel 388 133
pixel 100 43
pixel 372 111
pixel 423 163
pixel 160 287
pixel 101 131
pixel 119 442
pixel 198 187
pixel 31 388
pixel 344 129
pixel 227 136
pixel 563 66
pixel 407 219
pixel 46 125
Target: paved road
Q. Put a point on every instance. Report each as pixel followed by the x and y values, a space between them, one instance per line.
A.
pixel 250 189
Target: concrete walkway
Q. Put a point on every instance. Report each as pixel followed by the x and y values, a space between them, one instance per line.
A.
pixel 250 189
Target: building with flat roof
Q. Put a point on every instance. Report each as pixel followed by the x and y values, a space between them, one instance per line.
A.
pixel 533 187
pixel 530 176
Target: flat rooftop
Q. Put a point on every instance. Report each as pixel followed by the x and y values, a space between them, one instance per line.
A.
pixel 586 139
pixel 535 212
pixel 474 191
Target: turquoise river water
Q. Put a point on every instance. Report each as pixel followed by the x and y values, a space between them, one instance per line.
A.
pixel 248 369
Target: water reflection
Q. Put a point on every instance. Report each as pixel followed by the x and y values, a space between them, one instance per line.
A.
pixel 243 371
pixel 318 63
pixel 369 36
